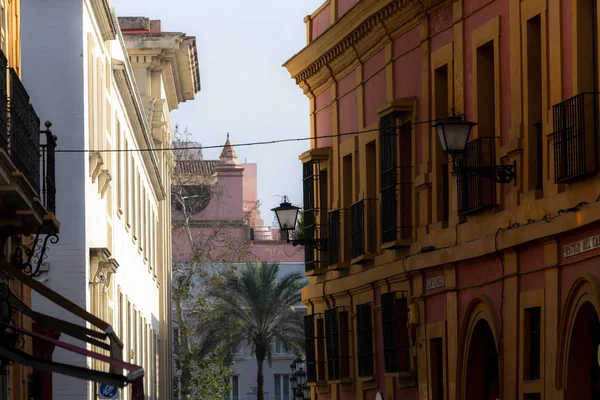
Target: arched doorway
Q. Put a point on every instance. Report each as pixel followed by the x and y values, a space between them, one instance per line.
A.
pixel 583 374
pixel 482 381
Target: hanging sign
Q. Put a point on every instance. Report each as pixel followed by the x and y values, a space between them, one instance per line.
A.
pixel 107 391
pixel 581 246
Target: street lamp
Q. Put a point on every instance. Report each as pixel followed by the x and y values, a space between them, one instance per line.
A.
pixel 453 133
pixel 300 390
pixel 287 215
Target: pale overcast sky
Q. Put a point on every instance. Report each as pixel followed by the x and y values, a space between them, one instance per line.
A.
pixel 244 89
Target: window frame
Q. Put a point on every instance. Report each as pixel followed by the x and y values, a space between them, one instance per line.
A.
pixel 364 341
pixel 437 331
pixel 528 300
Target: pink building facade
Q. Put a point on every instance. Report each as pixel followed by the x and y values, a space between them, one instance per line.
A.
pixel 233 209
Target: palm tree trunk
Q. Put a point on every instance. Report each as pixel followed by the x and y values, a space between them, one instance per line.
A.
pixel 260 379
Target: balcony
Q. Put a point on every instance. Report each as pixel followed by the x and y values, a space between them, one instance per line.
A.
pixel 27 159
pixel 475 191
pixel 575 137
pixel 363 216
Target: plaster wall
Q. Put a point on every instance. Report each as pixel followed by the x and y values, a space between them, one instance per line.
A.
pixel 55 82
pixel 90 218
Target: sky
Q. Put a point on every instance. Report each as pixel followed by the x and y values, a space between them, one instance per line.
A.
pixel 244 89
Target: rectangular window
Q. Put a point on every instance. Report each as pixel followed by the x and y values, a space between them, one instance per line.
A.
pixel 437 368
pixel 127 187
pixel 333 344
pixel 387 143
pixel 396 177
pixel 534 101
pixel 533 343
pixel 337 338
pixel 121 317
pixel 442 110
pixel 396 345
pixel 280 348
pixel 119 140
pixel 321 361
pixel 308 183
pixel 282 387
pixel 365 339
pixel 309 347
pixel 129 333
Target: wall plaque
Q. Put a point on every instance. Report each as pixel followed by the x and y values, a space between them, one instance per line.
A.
pixel 581 246
pixel 436 282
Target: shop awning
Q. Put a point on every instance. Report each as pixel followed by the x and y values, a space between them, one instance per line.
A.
pixel 115 346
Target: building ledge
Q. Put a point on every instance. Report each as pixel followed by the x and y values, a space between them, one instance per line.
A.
pixel 317 154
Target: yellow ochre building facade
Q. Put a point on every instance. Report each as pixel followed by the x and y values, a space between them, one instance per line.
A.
pixel 440 282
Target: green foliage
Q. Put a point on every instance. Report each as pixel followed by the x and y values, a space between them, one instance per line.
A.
pixel 255 307
pixel 203 258
pixel 298 233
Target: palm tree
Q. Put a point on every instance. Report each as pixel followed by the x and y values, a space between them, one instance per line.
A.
pixel 255 307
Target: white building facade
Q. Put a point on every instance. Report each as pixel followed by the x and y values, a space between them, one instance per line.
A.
pixel 114 254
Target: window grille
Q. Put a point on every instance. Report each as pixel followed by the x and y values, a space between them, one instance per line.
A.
pixel 476 192
pixel 365 339
pixel 396 344
pixel 575 137
pixel 309 348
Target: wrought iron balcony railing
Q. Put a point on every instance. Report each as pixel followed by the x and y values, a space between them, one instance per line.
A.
pixel 24 128
pixel 20 136
pixel 48 153
pixel 575 137
pixel 3 103
pixel 475 191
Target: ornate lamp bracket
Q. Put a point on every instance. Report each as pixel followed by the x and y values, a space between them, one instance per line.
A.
pixel 317 244
pixel 496 173
pixel 29 257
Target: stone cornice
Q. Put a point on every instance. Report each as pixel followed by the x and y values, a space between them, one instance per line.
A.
pixel 105 19
pixel 360 30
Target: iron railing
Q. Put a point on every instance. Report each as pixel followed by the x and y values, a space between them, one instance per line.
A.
pixel 308 186
pixel 575 137
pixel 3 103
pixel 48 153
pixel 362 216
pixel 388 165
pixel 24 133
pixel 475 191
pixel 334 236
pixel 396 179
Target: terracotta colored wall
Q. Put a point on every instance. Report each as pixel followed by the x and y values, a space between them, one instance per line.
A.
pixel 323 123
pixel 343 6
pixel 374 86
pixel 472 23
pixel 566 17
pixel 321 22
pixel 348 105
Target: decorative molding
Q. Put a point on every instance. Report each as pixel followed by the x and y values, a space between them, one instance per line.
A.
pixel 104 178
pixel 441 21
pixel 133 104
pixel 360 38
pixel 96 162
pixel 105 20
